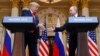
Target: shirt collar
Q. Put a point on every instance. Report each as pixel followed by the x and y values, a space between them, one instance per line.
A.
pixel 31 11
pixel 76 15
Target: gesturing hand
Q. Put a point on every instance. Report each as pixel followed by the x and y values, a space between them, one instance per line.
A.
pixel 51 29
pixel 41 26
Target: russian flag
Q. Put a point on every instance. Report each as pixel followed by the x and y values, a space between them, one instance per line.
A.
pixel 7 44
pixel 58 48
pixel 0 52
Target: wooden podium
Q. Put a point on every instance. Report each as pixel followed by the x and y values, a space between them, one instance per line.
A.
pixel 18 25
pixel 82 25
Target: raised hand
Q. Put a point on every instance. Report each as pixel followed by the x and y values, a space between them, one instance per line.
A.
pixel 41 26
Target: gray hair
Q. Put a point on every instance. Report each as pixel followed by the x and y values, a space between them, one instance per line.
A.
pixel 74 7
pixel 34 4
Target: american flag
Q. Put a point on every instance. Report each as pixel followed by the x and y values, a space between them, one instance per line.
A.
pixel 92 44
pixel 67 50
pixel 67 47
pixel 93 50
pixel 43 44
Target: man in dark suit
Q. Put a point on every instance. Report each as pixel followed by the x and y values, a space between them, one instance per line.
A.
pixel 32 36
pixel 72 35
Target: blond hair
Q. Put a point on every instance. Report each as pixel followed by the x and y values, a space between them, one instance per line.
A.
pixel 32 4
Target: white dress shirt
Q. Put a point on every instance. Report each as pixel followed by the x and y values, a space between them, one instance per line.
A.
pixel 32 14
pixel 76 15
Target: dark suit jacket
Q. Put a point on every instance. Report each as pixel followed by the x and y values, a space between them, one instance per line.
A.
pixel 72 38
pixel 35 21
pixel 64 27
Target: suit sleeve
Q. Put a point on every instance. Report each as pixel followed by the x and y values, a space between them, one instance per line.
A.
pixel 62 28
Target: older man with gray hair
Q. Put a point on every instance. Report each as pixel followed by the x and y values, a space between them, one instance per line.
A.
pixel 32 36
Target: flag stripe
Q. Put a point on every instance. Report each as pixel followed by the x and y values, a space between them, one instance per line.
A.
pixel 60 34
pixel 44 53
pixel 55 50
pixel 67 51
pixel 91 54
pixel 44 46
pixel 92 49
pixel 59 45
pixel 93 44
pixel 40 51
pixel 7 44
pixel 39 54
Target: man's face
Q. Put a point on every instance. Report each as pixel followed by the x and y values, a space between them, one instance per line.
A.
pixel 72 11
pixel 34 9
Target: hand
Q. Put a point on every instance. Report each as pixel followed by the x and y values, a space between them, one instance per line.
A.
pixel 41 26
pixel 32 31
pixel 51 28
